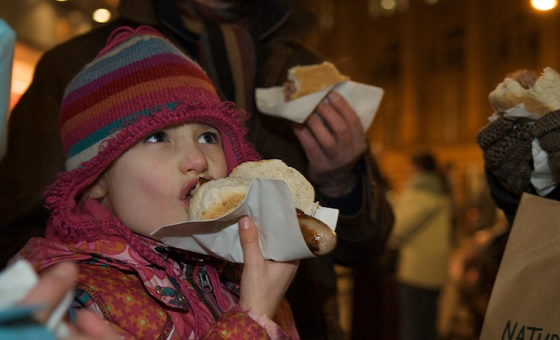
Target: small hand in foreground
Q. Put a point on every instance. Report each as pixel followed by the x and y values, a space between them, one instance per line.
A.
pixel 263 283
pixel 334 141
pixel 51 289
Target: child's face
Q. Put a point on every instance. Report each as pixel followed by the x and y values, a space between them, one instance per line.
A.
pixel 149 185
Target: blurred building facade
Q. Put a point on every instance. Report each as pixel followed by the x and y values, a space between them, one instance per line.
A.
pixel 42 24
pixel 437 62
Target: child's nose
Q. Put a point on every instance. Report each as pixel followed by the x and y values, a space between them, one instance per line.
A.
pixel 193 160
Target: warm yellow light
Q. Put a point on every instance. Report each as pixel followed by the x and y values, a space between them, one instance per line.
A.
pixel 388 5
pixel 101 15
pixel 544 5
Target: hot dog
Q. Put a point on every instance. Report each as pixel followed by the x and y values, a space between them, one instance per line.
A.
pixel 302 80
pixel 216 198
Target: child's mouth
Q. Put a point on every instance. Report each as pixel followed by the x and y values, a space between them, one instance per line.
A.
pixel 189 190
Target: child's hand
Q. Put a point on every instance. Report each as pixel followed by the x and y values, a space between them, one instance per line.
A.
pixel 263 283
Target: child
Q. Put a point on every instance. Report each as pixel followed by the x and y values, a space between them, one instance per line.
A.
pixel 139 125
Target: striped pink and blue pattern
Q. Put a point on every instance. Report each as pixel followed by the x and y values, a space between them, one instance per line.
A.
pixel 136 78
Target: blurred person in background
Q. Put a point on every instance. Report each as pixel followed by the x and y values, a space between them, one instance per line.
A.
pixel 473 268
pixel 424 214
pixel 241 45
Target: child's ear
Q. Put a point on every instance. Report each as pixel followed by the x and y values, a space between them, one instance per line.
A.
pixel 99 190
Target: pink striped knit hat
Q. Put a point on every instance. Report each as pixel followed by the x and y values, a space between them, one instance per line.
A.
pixel 138 84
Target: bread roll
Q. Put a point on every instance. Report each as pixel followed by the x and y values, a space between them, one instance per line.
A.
pixel 217 199
pixel 225 194
pixel 544 96
pixel 539 95
pixel 509 93
pixel 303 80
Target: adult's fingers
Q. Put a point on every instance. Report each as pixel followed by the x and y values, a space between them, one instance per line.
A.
pixel 334 119
pixel 312 149
pixel 89 326
pixel 52 287
pixel 346 111
pixel 322 131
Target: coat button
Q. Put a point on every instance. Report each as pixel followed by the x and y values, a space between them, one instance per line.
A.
pixel 184 301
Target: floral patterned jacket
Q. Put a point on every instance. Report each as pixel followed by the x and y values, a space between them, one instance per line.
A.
pixel 142 301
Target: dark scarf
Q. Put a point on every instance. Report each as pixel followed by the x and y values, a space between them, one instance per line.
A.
pixel 224 42
pixel 221 42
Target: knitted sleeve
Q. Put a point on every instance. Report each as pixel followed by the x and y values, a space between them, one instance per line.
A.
pixel 506 148
pixel 547 130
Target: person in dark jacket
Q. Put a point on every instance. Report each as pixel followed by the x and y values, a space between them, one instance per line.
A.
pixel 266 36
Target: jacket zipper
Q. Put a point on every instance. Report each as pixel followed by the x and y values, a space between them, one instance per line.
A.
pixel 203 288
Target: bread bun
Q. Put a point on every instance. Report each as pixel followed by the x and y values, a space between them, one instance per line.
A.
pixel 219 197
pixel 303 193
pixel 539 94
pixel 525 77
pixel 307 79
pixel 544 96
pixel 509 93
pixel 216 198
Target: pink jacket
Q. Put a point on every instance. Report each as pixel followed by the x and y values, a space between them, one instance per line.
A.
pixel 142 301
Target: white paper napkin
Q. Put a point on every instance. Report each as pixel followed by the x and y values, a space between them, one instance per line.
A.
pixel 17 281
pixel 364 99
pixel 270 205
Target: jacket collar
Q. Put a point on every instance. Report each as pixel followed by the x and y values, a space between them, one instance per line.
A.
pixel 44 253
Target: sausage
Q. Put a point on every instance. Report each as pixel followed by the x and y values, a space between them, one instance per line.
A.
pixel 318 236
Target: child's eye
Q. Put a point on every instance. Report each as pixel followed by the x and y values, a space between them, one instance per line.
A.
pixel 158 137
pixel 209 138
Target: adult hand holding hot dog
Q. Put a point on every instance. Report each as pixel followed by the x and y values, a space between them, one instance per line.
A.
pixel 333 140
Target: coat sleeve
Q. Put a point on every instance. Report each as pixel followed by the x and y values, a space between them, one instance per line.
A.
pixel 363 233
pixel 237 324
